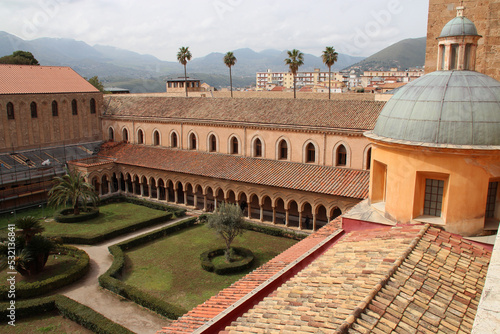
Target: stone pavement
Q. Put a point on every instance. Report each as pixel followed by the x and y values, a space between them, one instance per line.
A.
pixel 112 306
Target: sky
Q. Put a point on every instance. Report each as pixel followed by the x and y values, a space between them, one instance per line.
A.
pixel 161 27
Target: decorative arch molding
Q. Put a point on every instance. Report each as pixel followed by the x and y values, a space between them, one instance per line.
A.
pixel 348 155
pixel 230 146
pixel 254 150
pixel 140 135
pixel 193 145
pixel 278 147
pixel 305 153
pixel 210 147
pixel 125 133
pixel 154 139
pixel 173 142
pixel 367 152
pixel 111 133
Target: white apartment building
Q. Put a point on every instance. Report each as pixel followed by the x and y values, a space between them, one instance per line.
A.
pixel 285 79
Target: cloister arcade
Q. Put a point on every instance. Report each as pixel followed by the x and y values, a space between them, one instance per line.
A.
pixel 291 208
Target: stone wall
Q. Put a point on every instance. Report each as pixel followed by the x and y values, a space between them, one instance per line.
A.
pixel 485 14
pixel 26 132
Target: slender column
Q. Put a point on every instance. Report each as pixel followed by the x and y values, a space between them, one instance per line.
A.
pixel 314 221
pixel 158 193
pixel 274 215
pixel 204 202
pixel 126 187
pixel 176 196
pixel 185 197
pixel 110 188
pixel 134 187
pixel 300 220
pixel 287 216
pixel 167 194
pixel 249 210
pixel 150 193
pixel 261 213
pixel 195 200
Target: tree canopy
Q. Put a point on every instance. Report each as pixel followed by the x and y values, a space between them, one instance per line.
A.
pixel 230 60
pixel 294 61
pixel 329 57
pixel 228 222
pixel 183 56
pixel 20 58
pixel 94 81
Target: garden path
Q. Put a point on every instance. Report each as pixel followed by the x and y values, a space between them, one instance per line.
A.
pixel 120 310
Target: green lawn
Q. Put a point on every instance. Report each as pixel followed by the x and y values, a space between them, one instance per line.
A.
pixel 170 268
pixel 39 212
pixel 112 217
pixel 50 322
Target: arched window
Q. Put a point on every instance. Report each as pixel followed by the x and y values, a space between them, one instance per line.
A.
pixel 140 137
pixel 234 145
pixel 212 143
pixel 111 134
pixel 92 106
pixel 257 148
pixel 125 134
pixel 192 142
pixel 341 156
pixel 34 111
pixel 55 109
pixel 283 150
pixel 156 141
pixel 10 111
pixel 173 140
pixel 369 158
pixel 74 107
pixel 310 153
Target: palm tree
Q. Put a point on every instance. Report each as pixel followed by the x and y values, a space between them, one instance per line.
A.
pixel 28 227
pixel 183 56
pixel 329 58
pixel 230 60
pixel 72 188
pixel 294 61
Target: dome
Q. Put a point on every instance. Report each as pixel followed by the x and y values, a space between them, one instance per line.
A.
pixel 459 26
pixel 443 108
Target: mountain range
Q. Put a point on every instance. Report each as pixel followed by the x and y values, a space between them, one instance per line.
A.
pixel 146 73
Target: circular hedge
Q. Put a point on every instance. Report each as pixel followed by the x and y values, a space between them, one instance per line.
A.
pixel 227 268
pixel 37 288
pixel 67 216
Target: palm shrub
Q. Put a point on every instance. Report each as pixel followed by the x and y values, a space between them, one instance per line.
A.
pixel 72 188
pixel 32 249
pixel 228 223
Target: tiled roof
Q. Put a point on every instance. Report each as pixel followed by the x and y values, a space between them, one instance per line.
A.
pixel 329 114
pixel 26 79
pixel 404 279
pixel 227 297
pixel 281 174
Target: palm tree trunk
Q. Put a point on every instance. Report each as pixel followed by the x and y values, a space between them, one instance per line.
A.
pixel 231 81
pixel 185 81
pixel 294 82
pixel 329 82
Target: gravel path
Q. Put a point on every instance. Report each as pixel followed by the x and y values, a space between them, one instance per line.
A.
pixel 112 306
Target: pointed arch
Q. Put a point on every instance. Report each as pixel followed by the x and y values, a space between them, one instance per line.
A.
pixel 213 142
pixel 174 139
pixel 258 147
pixel 283 149
pixel 310 152
pixel 342 155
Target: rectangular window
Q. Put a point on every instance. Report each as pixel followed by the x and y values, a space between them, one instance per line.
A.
pixel 433 203
pixel 491 200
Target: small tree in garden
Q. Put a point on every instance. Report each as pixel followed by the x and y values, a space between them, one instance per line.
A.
pixel 72 188
pixel 228 222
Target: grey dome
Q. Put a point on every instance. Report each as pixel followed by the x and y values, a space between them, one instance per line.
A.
pixel 459 26
pixel 443 108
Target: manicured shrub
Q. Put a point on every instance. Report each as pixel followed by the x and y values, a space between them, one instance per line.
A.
pixel 275 231
pixel 66 215
pixel 33 289
pixel 227 268
pixel 111 278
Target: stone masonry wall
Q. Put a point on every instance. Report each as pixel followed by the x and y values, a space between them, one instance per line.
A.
pixel 485 14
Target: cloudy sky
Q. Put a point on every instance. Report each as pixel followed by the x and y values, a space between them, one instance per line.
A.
pixel 160 27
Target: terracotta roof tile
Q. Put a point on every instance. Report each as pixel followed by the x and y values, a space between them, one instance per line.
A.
pixel 333 114
pixel 282 174
pixel 26 79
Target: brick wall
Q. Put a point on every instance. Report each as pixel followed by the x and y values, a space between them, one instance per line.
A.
pixel 485 14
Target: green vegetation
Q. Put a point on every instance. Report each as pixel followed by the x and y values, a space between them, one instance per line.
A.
pixel 229 61
pixel 169 268
pixel 47 322
pixel 72 188
pixel 329 58
pixel 40 212
pixel 183 56
pixel 228 222
pixel 19 58
pixel 94 81
pixel 294 61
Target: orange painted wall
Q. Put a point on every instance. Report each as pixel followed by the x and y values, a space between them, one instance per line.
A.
pixel 466 185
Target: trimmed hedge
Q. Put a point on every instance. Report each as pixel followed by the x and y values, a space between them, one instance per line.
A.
pixel 38 288
pixel 227 268
pixel 66 216
pixel 275 231
pixel 177 212
pixel 68 308
pixel 92 240
pixel 111 278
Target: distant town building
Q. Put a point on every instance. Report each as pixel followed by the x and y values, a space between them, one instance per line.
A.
pixel 268 80
pixel 116 90
pixel 177 85
pixel 394 75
